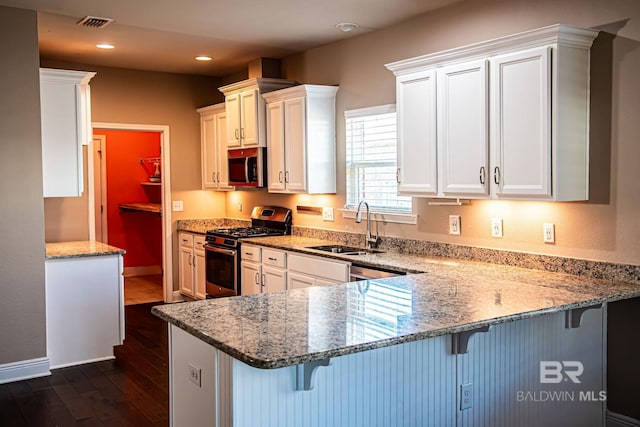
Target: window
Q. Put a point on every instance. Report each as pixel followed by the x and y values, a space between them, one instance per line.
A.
pixel 371 159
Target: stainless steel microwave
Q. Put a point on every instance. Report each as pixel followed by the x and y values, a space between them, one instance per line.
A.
pixel 247 167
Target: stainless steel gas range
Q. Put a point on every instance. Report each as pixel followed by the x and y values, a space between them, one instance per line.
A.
pixel 223 248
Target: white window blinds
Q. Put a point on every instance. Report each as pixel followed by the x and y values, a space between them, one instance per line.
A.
pixel 371 159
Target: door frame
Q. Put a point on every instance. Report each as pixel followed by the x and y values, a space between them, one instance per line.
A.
pixel 165 164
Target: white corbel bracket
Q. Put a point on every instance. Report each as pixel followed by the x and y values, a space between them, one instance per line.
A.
pixel 305 371
pixel 573 317
pixel 460 340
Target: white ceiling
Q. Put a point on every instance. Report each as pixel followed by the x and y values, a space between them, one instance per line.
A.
pixel 166 35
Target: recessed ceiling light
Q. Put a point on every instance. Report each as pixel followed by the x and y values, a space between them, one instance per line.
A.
pixel 203 58
pixel 105 46
pixel 347 27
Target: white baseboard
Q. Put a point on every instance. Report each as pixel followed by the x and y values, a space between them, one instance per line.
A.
pixel 24 370
pixel 144 270
pixel 83 362
pixel 617 420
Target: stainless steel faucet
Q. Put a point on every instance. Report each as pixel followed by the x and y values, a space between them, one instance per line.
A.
pixel 372 242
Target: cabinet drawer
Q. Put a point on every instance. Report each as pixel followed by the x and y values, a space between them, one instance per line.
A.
pixel 250 253
pixel 274 257
pixel 198 242
pixel 319 267
pixel 185 239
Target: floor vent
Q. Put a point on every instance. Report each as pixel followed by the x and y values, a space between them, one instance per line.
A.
pixel 95 22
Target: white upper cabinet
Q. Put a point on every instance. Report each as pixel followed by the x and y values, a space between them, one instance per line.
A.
pixel 506 119
pixel 463 129
pixel 213 132
pixel 245 110
pixel 301 139
pixel 416 113
pixel 65 109
pixel 520 119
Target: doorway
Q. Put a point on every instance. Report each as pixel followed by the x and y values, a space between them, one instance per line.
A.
pixel 140 222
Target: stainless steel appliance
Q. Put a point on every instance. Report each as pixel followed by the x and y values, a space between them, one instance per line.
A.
pixel 247 167
pixel 222 248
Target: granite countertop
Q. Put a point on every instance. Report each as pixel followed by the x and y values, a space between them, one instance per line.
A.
pixel 287 328
pixel 79 249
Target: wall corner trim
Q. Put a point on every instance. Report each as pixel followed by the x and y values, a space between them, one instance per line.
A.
pixel 24 370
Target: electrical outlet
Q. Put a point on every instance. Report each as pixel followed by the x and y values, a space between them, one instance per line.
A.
pixel 195 375
pixel 548 233
pixel 327 214
pixel 496 227
pixel 466 396
pixel 454 225
pixel 239 206
pixel 178 206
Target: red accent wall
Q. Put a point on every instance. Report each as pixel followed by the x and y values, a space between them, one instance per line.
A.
pixel 139 233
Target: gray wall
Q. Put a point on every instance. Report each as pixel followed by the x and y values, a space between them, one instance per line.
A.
pixel 22 304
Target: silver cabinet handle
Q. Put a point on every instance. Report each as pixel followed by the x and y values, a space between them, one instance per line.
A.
pixel 482 175
pixel 280 176
pixel 218 179
pixel 190 259
pixel 286 176
pixel 273 259
pixel 264 282
pixel 194 261
pixel 496 175
pixel 398 175
pixel 237 134
pixel 241 133
pixel 257 278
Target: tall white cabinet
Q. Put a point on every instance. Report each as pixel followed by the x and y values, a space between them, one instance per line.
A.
pixel 506 119
pixel 65 109
pixel 301 139
pixel 213 132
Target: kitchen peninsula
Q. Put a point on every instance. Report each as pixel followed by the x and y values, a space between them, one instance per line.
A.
pixel 458 344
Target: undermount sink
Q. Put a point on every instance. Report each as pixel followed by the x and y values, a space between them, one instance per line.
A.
pixel 345 250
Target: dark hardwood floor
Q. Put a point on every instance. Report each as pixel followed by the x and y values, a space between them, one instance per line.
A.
pixel 132 390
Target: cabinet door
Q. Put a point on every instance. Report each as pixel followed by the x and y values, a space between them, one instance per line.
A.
pixel 249 118
pixel 275 146
pixel 463 142
pixel 416 112
pixel 520 122
pixel 297 280
pixel 295 145
pixel 186 271
pixel 232 109
pixel 273 279
pixel 209 150
pixel 222 176
pixel 61 139
pixel 250 273
pixel 200 274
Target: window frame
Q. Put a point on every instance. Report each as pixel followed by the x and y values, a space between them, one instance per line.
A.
pixel 379 214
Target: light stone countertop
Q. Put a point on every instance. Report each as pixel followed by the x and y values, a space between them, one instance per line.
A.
pixel 79 249
pixel 287 328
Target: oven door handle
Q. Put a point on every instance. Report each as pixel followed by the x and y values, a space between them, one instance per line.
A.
pixel 220 250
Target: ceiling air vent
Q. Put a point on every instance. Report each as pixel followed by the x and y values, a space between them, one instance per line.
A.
pixel 95 22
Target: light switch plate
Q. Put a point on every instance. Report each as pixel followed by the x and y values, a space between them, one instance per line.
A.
pixel 327 214
pixel 178 206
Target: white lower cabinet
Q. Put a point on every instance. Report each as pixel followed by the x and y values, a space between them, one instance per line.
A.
pixel 305 270
pixel 84 309
pixel 192 265
pixel 262 270
pixel 267 270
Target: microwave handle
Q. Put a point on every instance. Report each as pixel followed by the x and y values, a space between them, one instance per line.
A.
pixel 246 169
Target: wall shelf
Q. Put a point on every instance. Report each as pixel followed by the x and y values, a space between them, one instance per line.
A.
pixel 142 207
pixel 152 184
